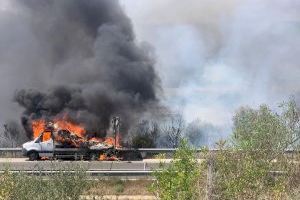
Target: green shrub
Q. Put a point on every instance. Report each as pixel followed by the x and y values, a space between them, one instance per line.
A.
pixel 143 141
pixel 63 185
pixel 119 188
pixel 179 180
pixel 118 185
pixel 261 136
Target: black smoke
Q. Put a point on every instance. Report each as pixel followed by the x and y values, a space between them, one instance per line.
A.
pixel 86 63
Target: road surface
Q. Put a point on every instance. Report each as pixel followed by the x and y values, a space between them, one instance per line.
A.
pixel 24 164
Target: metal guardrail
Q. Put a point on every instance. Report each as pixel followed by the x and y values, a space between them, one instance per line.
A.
pixel 17 152
pixel 104 172
pixel 147 150
pixel 146 172
pixel 152 150
pixel 89 172
pixel 18 149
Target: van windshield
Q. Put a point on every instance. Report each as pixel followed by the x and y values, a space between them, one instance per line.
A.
pixel 44 137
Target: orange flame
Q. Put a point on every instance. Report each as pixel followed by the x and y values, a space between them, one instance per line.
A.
pixel 46 136
pixel 106 158
pixel 113 141
pixel 72 127
pixel 39 126
pixel 102 157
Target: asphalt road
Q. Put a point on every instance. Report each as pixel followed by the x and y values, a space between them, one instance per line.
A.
pixel 24 164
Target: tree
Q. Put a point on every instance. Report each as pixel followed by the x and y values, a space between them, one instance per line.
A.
pixel 145 135
pixel 173 130
pixel 264 129
pixel 12 134
pixel 259 137
pixel 201 133
pixel 260 129
pixel 178 180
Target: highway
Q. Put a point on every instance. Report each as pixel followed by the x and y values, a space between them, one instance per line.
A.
pixel 24 164
pixel 12 160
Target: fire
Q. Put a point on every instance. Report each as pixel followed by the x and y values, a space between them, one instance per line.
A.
pixel 46 136
pixel 107 158
pixel 108 140
pixel 102 157
pixel 113 141
pixel 72 127
pixel 40 125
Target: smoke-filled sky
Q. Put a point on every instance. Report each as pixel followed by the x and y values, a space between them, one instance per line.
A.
pixel 216 55
pixel 76 57
pixel 212 56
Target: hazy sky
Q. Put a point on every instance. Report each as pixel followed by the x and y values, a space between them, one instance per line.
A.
pixel 216 55
pixel 211 55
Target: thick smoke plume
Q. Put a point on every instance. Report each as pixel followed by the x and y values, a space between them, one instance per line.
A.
pixel 82 59
pixel 228 53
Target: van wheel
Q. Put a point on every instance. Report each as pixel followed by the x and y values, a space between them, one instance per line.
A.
pixel 94 156
pixel 33 156
pixel 111 152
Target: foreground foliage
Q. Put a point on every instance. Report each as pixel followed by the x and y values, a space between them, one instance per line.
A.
pixel 180 179
pixel 63 185
pixel 255 165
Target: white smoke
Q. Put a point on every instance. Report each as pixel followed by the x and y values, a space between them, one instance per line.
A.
pixel 216 55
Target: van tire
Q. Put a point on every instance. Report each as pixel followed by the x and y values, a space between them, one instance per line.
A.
pixel 33 155
pixel 94 156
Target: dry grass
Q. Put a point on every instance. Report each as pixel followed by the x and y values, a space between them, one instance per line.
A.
pixel 120 187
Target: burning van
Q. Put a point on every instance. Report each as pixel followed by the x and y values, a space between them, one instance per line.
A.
pixel 63 139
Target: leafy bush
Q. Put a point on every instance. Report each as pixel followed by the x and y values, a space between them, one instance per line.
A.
pixel 179 180
pixel 143 141
pixel 253 164
pixel 118 185
pixel 64 185
pixel 245 175
pixel 243 168
pixel 119 188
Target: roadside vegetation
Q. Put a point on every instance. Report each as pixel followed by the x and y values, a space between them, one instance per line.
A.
pixel 259 161
pixel 63 185
pixel 180 179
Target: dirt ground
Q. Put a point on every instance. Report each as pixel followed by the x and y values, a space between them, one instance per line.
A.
pixel 120 187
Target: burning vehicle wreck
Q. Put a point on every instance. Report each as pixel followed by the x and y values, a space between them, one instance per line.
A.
pixel 92 68
pixel 62 139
